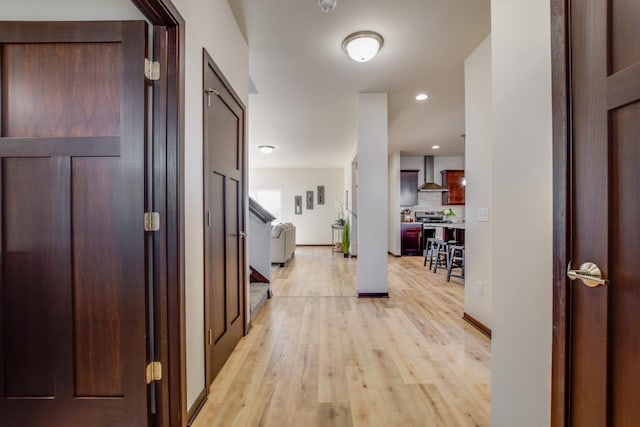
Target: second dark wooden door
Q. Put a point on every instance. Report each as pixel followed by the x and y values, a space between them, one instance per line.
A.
pixel 600 382
pixel 72 260
pixel 224 218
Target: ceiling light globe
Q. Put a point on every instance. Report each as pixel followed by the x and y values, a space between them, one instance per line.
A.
pixel 435 147
pixel 363 46
pixel 327 5
pixel 421 97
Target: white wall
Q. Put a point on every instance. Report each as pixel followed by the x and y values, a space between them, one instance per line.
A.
pixel 313 227
pixel 478 173
pixel 522 213
pixel 394 204
pixel 69 10
pixel 372 193
pixel 209 24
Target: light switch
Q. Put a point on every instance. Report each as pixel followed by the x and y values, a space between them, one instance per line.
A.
pixel 483 214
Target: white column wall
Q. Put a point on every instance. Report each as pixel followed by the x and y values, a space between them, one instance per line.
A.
pixel 479 194
pixel 372 193
pixel 522 213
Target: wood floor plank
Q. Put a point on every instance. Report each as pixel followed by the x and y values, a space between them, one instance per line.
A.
pixel 334 415
pixel 318 356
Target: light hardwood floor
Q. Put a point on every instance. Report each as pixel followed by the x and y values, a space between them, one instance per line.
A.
pixel 318 356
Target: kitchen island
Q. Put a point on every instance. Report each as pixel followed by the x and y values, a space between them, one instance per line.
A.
pixel 443 230
pixel 414 235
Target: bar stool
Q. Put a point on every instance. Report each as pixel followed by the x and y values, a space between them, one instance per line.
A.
pixel 441 254
pixel 455 259
pixel 429 249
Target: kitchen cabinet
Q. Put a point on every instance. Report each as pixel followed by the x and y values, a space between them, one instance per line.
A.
pixel 409 187
pixel 411 239
pixel 452 181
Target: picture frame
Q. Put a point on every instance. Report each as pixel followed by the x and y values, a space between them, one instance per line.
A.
pixel 298 205
pixel 309 200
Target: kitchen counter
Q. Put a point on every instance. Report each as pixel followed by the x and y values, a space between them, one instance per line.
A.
pixel 458 225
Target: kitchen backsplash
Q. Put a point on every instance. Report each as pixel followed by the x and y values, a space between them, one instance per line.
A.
pixel 432 201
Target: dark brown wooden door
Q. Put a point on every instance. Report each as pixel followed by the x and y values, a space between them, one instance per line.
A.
pixel 598 381
pixel 72 260
pixel 224 218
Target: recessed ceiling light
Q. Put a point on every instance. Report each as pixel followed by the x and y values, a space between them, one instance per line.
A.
pixel 362 46
pixel 421 96
pixel 266 149
pixel 435 147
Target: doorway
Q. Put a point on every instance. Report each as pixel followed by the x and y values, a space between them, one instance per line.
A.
pixel 72 180
pixel 596 342
pixel 165 194
pixel 224 200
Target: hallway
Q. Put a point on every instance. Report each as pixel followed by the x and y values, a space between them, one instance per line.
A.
pixel 318 356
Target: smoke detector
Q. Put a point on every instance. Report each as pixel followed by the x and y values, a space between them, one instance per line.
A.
pixel 327 5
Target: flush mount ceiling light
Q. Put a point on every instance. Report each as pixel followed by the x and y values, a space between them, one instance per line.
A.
pixel 362 46
pixel 327 5
pixel 266 149
pixel 435 147
pixel 421 97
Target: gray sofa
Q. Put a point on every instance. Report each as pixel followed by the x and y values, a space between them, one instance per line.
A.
pixel 283 243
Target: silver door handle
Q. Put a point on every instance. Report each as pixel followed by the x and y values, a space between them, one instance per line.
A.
pixel 589 274
pixel 243 234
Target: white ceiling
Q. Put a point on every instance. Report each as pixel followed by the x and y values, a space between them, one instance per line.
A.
pixel 307 86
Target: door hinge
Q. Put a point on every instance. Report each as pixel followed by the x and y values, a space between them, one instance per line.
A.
pixel 151 221
pixel 154 372
pixel 151 69
pixel 210 337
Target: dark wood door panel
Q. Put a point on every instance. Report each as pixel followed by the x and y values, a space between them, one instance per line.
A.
pixel 81 413
pixel 26 278
pixel 72 181
pixel 625 33
pixel 625 271
pixel 234 281
pixel 97 277
pixel 224 111
pixel 45 87
pixel 217 272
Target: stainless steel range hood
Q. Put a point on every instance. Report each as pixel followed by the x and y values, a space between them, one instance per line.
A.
pixel 429 184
